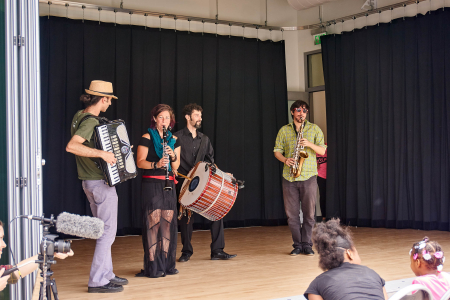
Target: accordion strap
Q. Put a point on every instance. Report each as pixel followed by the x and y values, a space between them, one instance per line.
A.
pixel 101 120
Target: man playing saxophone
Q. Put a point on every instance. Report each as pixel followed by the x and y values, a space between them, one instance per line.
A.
pixel 296 146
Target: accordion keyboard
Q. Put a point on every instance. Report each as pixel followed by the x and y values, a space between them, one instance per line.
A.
pixel 113 137
pixel 107 145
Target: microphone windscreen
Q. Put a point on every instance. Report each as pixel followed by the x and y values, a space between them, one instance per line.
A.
pixel 82 226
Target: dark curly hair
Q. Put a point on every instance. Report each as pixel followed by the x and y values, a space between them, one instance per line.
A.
pixel 299 103
pixel 187 109
pixel 159 109
pixel 331 240
pixel 428 247
pixel 90 100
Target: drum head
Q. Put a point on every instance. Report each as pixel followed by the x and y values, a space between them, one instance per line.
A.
pixel 196 186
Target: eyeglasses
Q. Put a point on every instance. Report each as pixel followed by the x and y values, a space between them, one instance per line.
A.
pixel 300 110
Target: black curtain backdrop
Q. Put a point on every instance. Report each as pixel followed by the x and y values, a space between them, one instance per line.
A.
pixel 388 93
pixel 240 83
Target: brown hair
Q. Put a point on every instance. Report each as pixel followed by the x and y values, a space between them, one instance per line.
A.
pixel 159 109
pixel 90 100
pixel 1 223
pixel 331 240
pixel 187 110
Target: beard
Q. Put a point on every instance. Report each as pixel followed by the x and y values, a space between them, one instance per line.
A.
pixel 198 125
pixel 298 119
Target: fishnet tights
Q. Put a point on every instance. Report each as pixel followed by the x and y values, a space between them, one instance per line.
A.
pixel 155 226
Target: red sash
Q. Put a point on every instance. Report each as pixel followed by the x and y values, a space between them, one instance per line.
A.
pixel 162 178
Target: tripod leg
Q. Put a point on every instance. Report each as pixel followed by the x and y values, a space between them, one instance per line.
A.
pixel 40 292
pixel 49 291
pixel 54 289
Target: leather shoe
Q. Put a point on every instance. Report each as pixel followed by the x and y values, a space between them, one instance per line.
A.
pixel 172 272
pixel 107 288
pixel 308 251
pixel 222 255
pixel 296 251
pixel 158 274
pixel 119 281
pixel 184 257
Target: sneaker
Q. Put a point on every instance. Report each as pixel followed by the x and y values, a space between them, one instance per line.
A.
pixel 308 251
pixel 119 281
pixel 296 251
pixel 107 288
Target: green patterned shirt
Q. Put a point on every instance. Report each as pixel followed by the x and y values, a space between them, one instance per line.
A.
pixel 285 143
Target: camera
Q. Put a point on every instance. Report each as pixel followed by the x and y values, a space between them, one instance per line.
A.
pixel 52 246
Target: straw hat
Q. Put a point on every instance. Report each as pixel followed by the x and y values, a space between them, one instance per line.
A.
pixel 101 88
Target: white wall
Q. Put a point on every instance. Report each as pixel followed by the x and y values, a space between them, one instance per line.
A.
pixel 248 11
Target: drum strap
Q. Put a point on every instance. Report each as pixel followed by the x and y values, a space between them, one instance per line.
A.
pixel 202 151
pixel 200 157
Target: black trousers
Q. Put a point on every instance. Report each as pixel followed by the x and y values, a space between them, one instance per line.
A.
pixel 322 183
pixel 217 235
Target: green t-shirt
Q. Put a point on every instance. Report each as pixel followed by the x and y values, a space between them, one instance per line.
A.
pixel 86 166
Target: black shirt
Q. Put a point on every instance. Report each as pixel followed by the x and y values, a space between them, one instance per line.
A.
pixel 190 147
pixel 153 157
pixel 348 281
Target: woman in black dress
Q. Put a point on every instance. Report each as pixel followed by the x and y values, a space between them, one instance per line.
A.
pixel 159 235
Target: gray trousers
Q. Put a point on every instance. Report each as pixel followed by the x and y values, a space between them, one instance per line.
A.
pixel 296 194
pixel 103 201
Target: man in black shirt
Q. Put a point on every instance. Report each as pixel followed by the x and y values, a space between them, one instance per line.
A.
pixel 190 141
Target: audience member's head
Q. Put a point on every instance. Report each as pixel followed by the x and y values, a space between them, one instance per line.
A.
pixel 426 256
pixel 2 242
pixel 334 245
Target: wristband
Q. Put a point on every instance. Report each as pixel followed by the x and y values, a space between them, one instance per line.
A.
pixel 174 159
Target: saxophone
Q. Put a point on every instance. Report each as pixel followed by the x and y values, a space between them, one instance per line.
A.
pixel 299 154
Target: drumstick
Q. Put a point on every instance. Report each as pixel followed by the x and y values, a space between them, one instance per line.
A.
pixel 184 176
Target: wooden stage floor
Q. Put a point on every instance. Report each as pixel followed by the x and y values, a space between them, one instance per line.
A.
pixel 262 270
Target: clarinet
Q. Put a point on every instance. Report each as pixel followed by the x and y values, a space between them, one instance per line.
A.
pixel 167 186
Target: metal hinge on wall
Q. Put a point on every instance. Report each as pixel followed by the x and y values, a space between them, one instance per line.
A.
pixel 19 41
pixel 21 182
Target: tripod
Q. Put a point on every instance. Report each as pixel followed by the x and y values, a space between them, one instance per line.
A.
pixel 45 260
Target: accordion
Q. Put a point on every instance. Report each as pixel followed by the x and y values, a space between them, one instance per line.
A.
pixel 112 136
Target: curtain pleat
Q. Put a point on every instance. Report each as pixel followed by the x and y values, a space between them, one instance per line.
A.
pixel 240 83
pixel 387 91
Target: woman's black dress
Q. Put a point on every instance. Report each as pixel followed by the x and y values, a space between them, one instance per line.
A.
pixel 159 226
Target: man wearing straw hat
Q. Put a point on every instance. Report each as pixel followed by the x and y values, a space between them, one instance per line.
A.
pixel 102 198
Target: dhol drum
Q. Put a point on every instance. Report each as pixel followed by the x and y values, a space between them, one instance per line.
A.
pixel 210 192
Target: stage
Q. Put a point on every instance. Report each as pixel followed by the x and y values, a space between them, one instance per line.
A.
pixel 263 268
